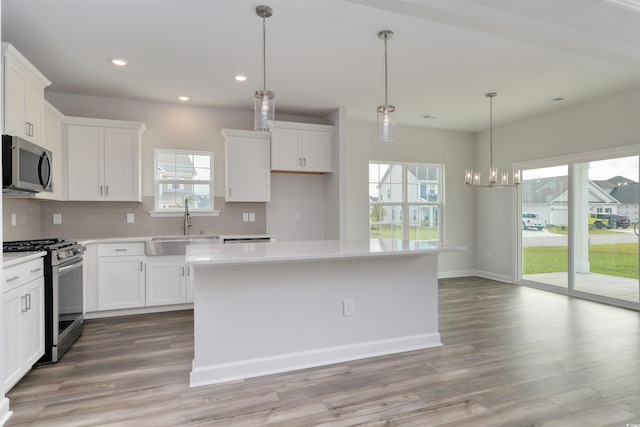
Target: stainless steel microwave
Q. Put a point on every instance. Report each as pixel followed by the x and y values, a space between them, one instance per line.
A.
pixel 25 166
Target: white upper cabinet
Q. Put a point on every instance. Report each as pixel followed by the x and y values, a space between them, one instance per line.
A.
pixel 247 166
pixel 23 89
pixel 301 147
pixel 52 141
pixel 103 159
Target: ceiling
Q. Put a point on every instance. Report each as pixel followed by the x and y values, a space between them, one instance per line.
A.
pixel 325 54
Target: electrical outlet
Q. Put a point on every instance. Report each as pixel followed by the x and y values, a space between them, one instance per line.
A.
pixel 57 218
pixel 130 218
pixel 348 307
pixel 252 216
pixel 245 217
pixel 13 219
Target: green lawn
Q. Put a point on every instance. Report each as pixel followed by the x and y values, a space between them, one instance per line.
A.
pixel 415 233
pixel 614 260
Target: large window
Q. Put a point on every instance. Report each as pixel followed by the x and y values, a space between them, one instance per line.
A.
pixel 183 175
pixel 405 201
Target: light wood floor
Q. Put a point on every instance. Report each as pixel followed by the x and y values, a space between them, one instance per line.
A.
pixel 512 356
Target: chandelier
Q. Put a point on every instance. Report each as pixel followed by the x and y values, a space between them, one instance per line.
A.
pixel 472 178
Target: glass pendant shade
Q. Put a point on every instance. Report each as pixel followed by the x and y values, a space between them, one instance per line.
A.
pixel 264 110
pixel 386 125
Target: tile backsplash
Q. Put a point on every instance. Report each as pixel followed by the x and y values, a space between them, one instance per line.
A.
pixel 85 220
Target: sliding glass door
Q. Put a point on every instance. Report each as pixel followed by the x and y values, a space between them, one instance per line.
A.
pixel 577 233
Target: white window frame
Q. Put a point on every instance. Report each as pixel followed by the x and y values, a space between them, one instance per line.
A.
pixel 157 182
pixel 406 205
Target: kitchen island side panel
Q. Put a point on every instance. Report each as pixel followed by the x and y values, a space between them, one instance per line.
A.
pixel 263 318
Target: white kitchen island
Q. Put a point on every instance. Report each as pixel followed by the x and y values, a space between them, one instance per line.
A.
pixel 264 308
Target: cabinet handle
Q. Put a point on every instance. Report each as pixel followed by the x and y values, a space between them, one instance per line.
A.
pixel 28 302
pixel 107 187
pixel 304 161
pixel 299 161
pixel 31 129
pixel 23 299
pixel 188 271
pixel 121 250
pixel 25 128
pixel 13 278
pixel 35 270
pixel 101 190
pixel 141 266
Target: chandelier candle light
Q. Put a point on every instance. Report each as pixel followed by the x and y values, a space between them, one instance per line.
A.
pixel 472 178
pixel 386 127
pixel 264 104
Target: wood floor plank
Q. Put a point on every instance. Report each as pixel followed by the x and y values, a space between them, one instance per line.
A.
pixel 512 356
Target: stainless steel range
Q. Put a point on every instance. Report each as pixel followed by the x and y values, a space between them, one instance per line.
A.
pixel 63 265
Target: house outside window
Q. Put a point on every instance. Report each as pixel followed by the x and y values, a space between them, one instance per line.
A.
pixel 407 187
pixel 183 175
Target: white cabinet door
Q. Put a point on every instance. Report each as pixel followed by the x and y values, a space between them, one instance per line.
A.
pixel 33 322
pixel 121 282
pixel 23 322
pixel 248 166
pixel 15 83
pixel 285 149
pixel 166 283
pixel 301 147
pixel 23 96
pixel 122 165
pixel 85 162
pixel 12 336
pixel 103 162
pixel 316 151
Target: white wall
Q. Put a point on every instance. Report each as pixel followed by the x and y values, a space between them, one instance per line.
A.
pixel 612 121
pixel 413 144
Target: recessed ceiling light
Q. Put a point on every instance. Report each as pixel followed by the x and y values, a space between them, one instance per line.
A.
pixel 120 62
pixel 183 98
pixel 240 77
pixel 554 100
pixel 633 5
pixel 430 116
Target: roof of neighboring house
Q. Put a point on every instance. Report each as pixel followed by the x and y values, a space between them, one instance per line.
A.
pixel 544 190
pixel 626 193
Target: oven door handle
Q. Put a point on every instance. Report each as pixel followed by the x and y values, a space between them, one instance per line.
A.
pixel 66 268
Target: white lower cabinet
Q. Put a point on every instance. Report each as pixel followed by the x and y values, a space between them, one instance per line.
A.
pixel 121 277
pixel 167 283
pixel 23 320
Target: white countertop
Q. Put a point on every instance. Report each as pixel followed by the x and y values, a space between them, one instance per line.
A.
pixel 310 250
pixel 9 259
pixel 87 241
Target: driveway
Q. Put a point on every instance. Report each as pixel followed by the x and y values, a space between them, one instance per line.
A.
pixel 544 238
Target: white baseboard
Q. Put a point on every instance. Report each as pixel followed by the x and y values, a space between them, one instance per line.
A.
pixel 493 276
pixel 454 274
pixel 5 413
pixel 140 310
pixel 233 371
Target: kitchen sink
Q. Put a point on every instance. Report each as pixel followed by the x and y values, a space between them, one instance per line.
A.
pixel 177 245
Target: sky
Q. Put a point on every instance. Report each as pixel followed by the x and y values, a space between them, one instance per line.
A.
pixel 599 170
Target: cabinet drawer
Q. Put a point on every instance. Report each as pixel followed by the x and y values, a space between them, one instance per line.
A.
pixel 23 273
pixel 120 249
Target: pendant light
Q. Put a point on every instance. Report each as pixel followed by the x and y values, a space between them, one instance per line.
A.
pixel 264 104
pixel 386 127
pixel 472 178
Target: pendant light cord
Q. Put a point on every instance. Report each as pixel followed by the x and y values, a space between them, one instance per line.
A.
pixel 264 53
pixel 385 72
pixel 491 95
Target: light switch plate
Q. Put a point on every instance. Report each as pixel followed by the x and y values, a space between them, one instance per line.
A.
pixel 13 219
pixel 252 216
pixel 245 217
pixel 57 218
pixel 130 218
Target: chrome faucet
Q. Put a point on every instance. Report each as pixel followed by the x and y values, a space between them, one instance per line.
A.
pixel 187 217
